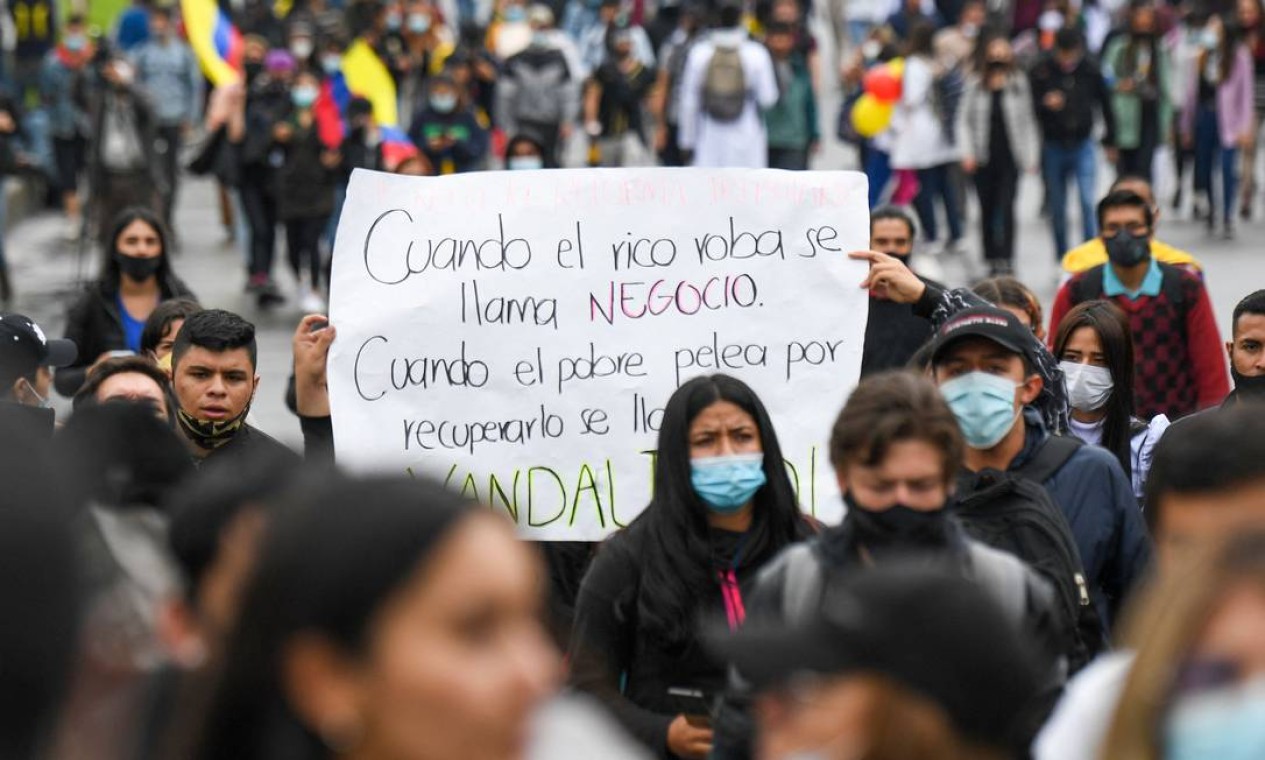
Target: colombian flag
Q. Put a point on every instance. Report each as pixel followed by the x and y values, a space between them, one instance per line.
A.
pixel 366 75
pixel 363 74
pixel 215 41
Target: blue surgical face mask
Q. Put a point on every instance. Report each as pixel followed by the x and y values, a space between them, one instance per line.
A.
pixel 984 405
pixel 332 64
pixel 76 42
pixel 43 402
pixel 418 23
pixel 443 103
pixel 727 483
pixel 515 14
pixel 1226 724
pixel 525 162
pixel 394 21
pixel 303 97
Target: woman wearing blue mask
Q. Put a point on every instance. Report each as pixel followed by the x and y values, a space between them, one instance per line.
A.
pixel 1196 688
pixel 1095 350
pixel 722 507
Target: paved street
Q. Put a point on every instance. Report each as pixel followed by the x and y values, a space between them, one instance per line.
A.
pixel 46 270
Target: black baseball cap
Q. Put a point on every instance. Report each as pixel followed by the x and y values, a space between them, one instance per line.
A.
pixel 23 347
pixel 997 325
pixel 920 624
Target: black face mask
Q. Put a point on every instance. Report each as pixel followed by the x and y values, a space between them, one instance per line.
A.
pixel 1127 250
pixel 1248 388
pixel 136 268
pixel 898 527
pixel 253 69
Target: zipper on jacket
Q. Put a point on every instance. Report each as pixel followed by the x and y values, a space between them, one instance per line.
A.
pixel 1083 588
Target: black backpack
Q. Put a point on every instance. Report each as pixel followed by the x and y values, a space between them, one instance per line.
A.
pixel 1013 512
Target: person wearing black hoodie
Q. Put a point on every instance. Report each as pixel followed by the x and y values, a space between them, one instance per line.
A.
pixel 110 315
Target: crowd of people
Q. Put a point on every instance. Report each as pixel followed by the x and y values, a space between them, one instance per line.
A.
pixel 1051 530
pixel 982 94
pixel 1053 541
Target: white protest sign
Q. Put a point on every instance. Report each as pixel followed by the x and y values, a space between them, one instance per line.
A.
pixel 517 334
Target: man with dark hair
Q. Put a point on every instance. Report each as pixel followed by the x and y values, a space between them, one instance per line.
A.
pixel 1180 368
pixel 1207 483
pixel 893 333
pixel 896 450
pixel 1092 252
pixel 213 375
pixel 164 323
pixel 1247 350
pixel 982 363
pixel 25 379
pixel 1068 88
pixel 127 378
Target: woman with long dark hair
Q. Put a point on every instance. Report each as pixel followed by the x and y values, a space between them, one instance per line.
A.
pixel 1095 350
pixel 387 618
pixel 110 315
pixel 722 507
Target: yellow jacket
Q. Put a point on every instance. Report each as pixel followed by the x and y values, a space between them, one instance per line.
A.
pixel 1092 252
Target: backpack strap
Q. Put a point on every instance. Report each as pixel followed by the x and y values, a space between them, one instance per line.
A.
pixel 1174 287
pixel 1087 286
pixel 1050 458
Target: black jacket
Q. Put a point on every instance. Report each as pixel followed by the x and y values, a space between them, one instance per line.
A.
pixel 894 333
pixel 305 187
pixel 251 444
pixel 1084 91
pixel 94 324
pixel 609 641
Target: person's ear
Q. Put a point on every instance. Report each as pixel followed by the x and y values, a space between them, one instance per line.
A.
pixel 1030 389
pixel 18 391
pixel 254 387
pixel 324 688
pixel 1229 351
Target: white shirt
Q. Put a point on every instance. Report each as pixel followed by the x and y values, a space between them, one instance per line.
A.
pixel 1141 447
pixel 1078 726
pixel 919 140
pixel 741 143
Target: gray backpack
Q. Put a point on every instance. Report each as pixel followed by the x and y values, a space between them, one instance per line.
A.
pixel 725 85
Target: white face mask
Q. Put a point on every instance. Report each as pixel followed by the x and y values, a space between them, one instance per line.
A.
pixel 42 402
pixel 1088 387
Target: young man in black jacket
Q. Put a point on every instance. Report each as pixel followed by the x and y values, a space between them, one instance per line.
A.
pixel 1067 89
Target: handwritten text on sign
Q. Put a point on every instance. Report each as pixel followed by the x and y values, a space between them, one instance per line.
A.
pixel 517 334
